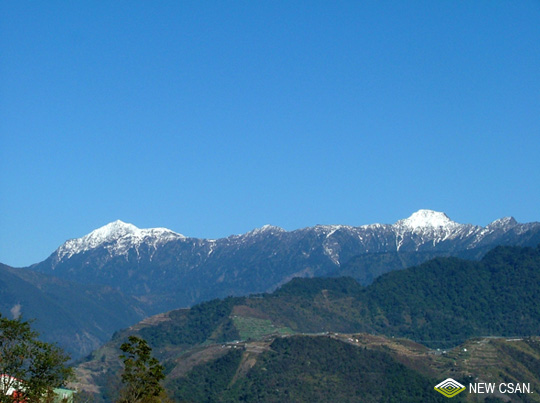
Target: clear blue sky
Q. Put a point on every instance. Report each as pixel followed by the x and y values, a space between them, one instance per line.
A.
pixel 212 118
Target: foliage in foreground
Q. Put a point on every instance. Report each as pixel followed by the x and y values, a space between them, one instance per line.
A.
pixel 142 373
pixel 30 367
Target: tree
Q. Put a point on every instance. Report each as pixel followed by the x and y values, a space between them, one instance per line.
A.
pixel 29 368
pixel 142 373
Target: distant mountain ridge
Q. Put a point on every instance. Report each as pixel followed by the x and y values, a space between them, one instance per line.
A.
pixel 119 237
pixel 78 317
pixel 169 270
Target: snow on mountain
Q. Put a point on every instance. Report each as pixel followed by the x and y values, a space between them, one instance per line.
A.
pixel 503 223
pixel 118 237
pixel 427 218
pixel 265 229
pixel 173 270
pixel 428 226
pixel 423 230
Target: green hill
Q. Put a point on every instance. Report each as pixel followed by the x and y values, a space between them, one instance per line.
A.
pixel 446 300
pixel 305 369
pixel 440 303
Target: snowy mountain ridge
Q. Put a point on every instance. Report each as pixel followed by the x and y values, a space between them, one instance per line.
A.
pixel 118 237
pixel 422 227
pixel 170 270
pixel 427 218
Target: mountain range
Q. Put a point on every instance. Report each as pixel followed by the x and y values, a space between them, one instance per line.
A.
pixel 332 339
pixel 148 271
pixel 167 270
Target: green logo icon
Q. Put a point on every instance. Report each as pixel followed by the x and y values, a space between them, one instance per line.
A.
pixel 450 388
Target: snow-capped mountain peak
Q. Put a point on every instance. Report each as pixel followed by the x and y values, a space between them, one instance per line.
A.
pixel 118 237
pixel 265 229
pixel 426 218
pixel 428 227
pixel 107 233
pixel 505 222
